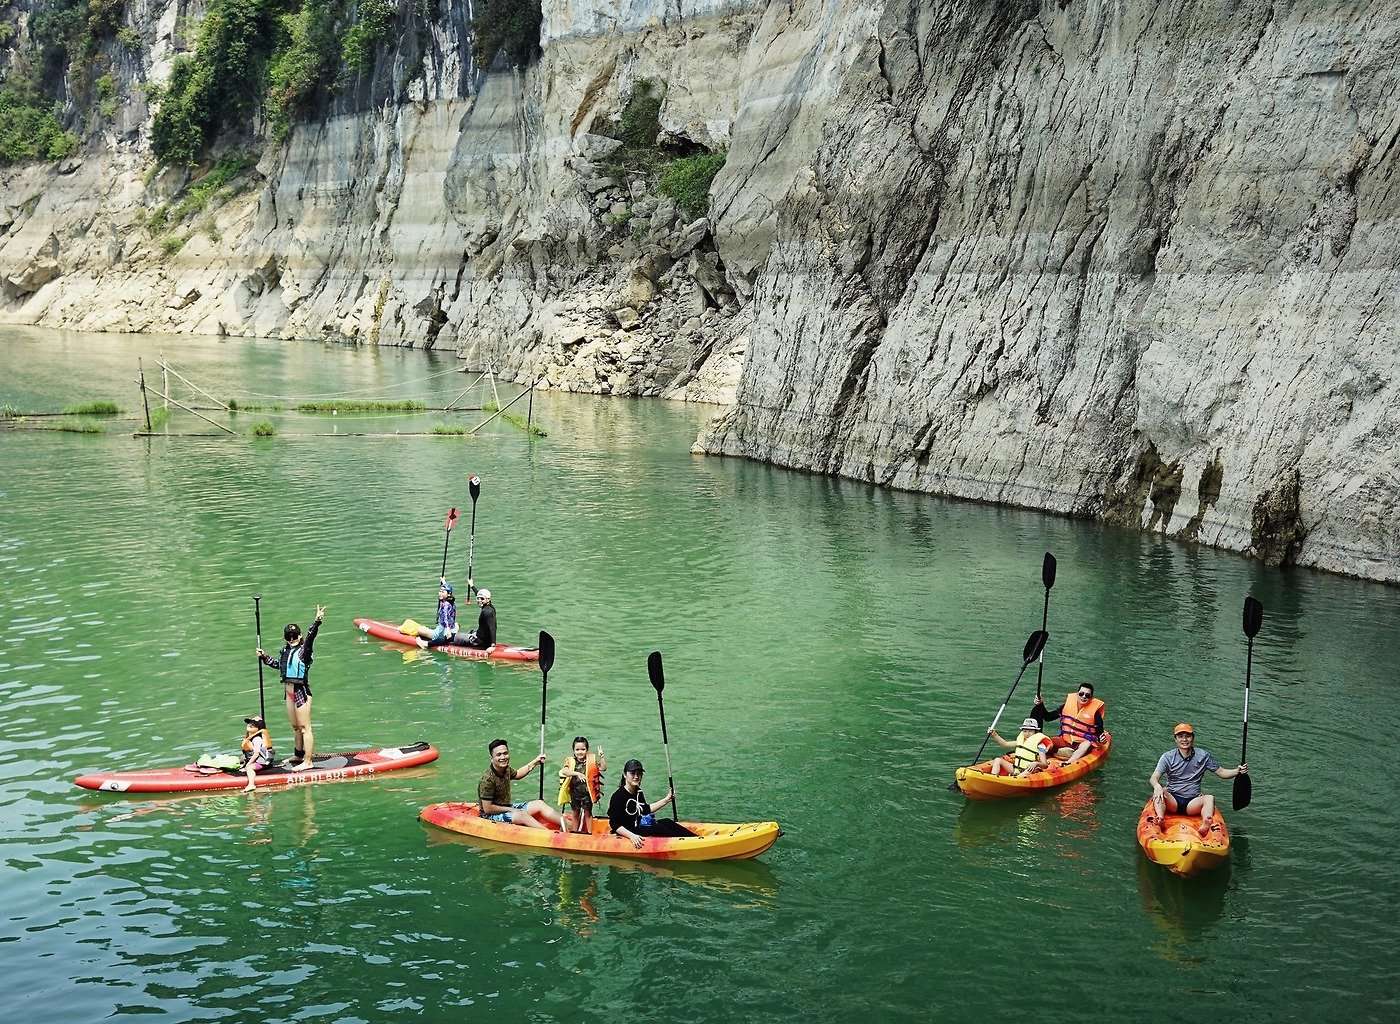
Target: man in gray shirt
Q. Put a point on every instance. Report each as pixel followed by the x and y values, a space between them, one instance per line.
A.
pixel 1184 768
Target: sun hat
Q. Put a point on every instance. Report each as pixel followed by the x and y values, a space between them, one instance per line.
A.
pixel 1184 727
pixel 1031 724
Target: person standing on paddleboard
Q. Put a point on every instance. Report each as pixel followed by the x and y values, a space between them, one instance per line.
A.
pixel 631 817
pixel 1184 768
pixel 484 635
pixel 293 662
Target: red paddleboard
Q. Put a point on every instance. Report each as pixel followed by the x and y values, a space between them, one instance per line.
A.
pixel 498 652
pixel 328 768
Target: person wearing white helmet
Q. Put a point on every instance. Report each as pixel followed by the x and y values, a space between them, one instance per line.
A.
pixel 485 633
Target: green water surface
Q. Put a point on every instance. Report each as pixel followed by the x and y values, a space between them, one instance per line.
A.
pixel 832 652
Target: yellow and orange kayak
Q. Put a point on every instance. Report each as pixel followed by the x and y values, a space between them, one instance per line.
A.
pixel 711 842
pixel 1177 844
pixel 978 783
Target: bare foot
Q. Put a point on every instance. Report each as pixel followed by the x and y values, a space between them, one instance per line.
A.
pixel 249 788
pixel 301 767
pixel 422 644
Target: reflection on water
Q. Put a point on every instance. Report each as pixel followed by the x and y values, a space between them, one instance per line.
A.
pixel 1185 908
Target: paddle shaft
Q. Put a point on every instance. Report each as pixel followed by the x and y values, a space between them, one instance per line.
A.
pixel 445 540
pixel 544 689
pixel 997 719
pixel 257 625
pixel 1047 576
pixel 474 486
pixel 666 745
pixel 1248 666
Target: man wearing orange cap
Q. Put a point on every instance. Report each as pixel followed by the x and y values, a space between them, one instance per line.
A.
pixel 1184 767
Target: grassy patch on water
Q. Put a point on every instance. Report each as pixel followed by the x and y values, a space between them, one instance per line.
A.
pixel 79 426
pixel 515 419
pixel 94 409
pixel 263 428
pixel 443 428
pixel 407 405
pixel 9 412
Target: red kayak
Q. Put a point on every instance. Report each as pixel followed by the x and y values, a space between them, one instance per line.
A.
pixel 498 652
pixel 328 768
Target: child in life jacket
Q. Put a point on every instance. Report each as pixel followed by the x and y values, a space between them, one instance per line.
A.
pixel 257 749
pixel 581 782
pixel 1030 751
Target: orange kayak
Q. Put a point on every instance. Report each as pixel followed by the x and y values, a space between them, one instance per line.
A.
pixel 978 783
pixel 1177 844
pixel 711 842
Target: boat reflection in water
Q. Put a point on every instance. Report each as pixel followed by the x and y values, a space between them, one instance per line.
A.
pixel 751 879
pixel 1186 909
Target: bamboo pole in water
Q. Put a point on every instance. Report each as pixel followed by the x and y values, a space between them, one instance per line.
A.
pixel 141 373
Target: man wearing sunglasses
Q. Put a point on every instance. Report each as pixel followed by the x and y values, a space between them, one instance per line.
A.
pixel 1081 721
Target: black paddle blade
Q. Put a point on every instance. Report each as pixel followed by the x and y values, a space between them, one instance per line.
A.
pixel 658 678
pixel 1253 617
pixel 474 485
pixel 1244 791
pixel 546 652
pixel 1047 570
pixel 451 518
pixel 1034 646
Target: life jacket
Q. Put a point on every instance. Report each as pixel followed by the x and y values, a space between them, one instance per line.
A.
pixel 447 614
pixel 248 746
pixel 591 773
pixel 1077 722
pixel 1027 750
pixel 292 665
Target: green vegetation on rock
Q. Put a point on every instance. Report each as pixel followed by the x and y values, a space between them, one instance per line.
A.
pixel 687 180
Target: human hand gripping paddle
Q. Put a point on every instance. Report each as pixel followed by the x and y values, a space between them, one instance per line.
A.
pixel 257 625
pixel 1047 575
pixel 546 663
pixel 1034 645
pixel 658 680
pixel 1253 619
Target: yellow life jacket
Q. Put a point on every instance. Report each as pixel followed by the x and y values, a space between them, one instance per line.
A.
pixel 1027 750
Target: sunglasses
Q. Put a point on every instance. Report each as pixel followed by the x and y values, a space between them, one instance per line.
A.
pixel 1084 694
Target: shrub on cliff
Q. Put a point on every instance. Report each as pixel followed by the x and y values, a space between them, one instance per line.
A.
pixel 511 27
pixel 373 20
pixel 687 181
pixel 30 133
pixel 304 65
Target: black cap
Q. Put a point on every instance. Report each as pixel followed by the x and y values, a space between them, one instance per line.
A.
pixel 632 766
pixel 255 720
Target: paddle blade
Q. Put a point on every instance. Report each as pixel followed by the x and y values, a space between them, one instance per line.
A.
pixel 1047 570
pixel 410 627
pixel 546 651
pixel 1244 791
pixel 658 678
pixel 474 485
pixel 451 518
pixel 1253 617
pixel 1034 646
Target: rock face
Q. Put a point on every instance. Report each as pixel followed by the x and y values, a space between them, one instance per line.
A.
pixel 1133 261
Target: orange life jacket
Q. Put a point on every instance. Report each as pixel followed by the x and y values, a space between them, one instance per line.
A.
pixel 1076 721
pixel 591 773
pixel 267 738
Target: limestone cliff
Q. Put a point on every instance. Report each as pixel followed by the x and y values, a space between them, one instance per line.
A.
pixel 1132 261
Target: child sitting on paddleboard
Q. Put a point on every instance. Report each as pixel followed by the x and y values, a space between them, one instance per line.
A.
pixel 445 630
pixel 581 782
pixel 257 749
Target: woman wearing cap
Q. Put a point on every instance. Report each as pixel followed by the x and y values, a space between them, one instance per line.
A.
pixel 485 633
pixel 257 749
pixel 631 817
pixel 445 631
pixel 1032 750
pixel 1184 767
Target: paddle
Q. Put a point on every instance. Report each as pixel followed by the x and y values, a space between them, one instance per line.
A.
pixel 257 624
pixel 1047 574
pixel 546 663
pixel 451 521
pixel 1253 619
pixel 473 485
pixel 658 680
pixel 1034 645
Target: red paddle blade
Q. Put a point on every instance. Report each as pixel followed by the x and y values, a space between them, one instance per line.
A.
pixel 451 518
